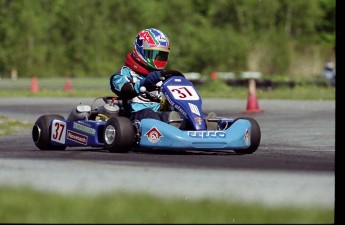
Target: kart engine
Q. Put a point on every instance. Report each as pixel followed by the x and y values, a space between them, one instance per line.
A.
pixel 80 112
pixel 109 110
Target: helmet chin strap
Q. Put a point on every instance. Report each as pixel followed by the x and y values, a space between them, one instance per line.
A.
pixel 132 63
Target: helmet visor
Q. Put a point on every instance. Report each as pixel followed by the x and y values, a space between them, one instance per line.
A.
pixel 156 54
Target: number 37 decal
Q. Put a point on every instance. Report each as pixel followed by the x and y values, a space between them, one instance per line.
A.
pixel 58 131
pixel 183 92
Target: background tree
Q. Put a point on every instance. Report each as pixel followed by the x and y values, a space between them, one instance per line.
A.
pixel 50 38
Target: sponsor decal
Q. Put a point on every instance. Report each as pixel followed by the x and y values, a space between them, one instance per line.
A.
pixel 84 128
pixel 177 107
pixel 162 38
pixel 153 135
pixel 246 137
pixel 79 138
pixel 194 109
pixel 207 134
pixel 84 123
pixel 198 119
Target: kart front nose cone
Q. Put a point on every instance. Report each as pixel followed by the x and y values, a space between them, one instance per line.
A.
pixel 109 134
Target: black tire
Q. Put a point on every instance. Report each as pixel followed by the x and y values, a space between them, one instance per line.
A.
pixel 41 132
pixel 119 134
pixel 255 137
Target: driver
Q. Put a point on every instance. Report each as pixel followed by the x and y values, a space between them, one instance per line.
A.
pixel 141 75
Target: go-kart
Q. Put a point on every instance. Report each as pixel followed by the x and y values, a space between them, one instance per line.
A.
pixel 108 126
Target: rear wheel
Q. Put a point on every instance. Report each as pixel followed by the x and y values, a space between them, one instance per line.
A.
pixel 119 134
pixel 41 132
pixel 255 137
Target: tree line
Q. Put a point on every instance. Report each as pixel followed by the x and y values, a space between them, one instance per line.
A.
pixel 90 38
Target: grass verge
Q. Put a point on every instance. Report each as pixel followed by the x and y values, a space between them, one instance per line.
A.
pixel 86 87
pixel 25 205
pixel 11 126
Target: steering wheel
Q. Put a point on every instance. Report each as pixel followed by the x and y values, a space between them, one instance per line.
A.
pixel 169 73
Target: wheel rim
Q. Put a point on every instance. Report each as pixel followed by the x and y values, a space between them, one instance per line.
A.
pixel 36 134
pixel 109 134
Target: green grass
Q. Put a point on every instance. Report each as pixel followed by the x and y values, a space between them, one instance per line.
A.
pixel 10 126
pixel 24 205
pixel 218 89
pixel 90 87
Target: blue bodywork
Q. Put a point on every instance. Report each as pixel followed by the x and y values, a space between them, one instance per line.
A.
pixel 157 134
pixel 77 133
pixel 153 134
pixel 183 97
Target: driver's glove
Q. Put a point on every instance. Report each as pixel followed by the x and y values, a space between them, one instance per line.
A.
pixel 151 79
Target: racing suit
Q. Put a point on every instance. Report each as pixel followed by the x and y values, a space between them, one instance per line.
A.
pixel 125 83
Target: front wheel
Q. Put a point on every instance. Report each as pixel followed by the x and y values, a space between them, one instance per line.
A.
pixel 119 134
pixel 41 132
pixel 255 137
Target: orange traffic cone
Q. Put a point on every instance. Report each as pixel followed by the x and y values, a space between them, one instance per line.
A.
pixel 34 85
pixel 213 75
pixel 68 85
pixel 252 102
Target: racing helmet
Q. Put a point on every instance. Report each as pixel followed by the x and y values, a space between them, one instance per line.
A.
pixel 151 48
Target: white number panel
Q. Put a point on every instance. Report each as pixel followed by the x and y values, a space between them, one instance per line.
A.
pixel 183 92
pixel 58 131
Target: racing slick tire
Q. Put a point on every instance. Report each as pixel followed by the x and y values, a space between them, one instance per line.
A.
pixel 255 137
pixel 41 132
pixel 118 135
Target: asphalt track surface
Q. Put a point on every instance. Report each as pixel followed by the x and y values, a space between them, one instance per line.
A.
pixel 294 164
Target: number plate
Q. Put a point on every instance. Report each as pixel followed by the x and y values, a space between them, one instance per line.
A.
pixel 183 92
pixel 58 131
